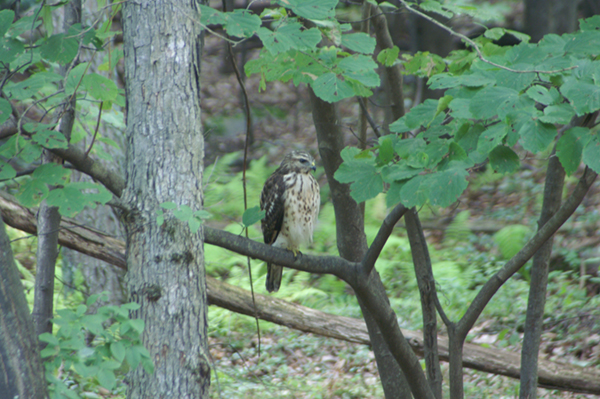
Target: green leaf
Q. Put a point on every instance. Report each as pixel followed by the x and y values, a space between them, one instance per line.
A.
pixel 491 137
pixel 435 7
pixel 331 89
pixel 570 147
pixel 32 192
pixel 504 160
pixel 422 114
pixel 540 94
pixel 583 95
pixel 133 357
pixel 74 78
pixel 591 153
pixel 386 149
pixel 184 213
pixel 131 306
pixel 311 9
pixel 168 205
pixel 23 25
pixel 361 172
pixel 6 171
pixel 194 225
pixel 27 88
pixel 252 215
pixel 447 186
pixel 387 57
pixel 486 102
pixel 58 48
pixel 360 68
pixel 511 239
pixel 10 49
pixel 415 192
pixel 241 23
pixel 99 87
pixel 359 42
pixel 118 351
pixel 49 338
pixel 536 136
pixel 50 139
pixel 289 36
pixel 52 174
pixel 6 19
pixel 69 200
pixel 561 113
pixel 398 172
pixel 137 325
pixel 584 43
pixel 107 378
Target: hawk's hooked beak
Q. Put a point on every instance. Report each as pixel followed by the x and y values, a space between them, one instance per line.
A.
pixel 313 167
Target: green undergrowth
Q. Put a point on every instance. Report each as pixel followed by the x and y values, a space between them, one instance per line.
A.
pixel 462 262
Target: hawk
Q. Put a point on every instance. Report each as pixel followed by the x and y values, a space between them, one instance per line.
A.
pixel 291 201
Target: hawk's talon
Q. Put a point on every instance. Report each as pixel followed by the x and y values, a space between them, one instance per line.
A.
pixel 296 253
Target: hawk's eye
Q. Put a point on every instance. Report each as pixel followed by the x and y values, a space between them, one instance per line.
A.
pixel 303 161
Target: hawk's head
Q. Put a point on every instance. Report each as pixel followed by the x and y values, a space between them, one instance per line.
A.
pixel 299 162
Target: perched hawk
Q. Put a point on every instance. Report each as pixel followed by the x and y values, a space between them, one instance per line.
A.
pixel 291 201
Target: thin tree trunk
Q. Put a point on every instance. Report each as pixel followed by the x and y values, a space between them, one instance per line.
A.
pixel 555 178
pixel 48 216
pixel 351 238
pixel 165 151
pixel 21 370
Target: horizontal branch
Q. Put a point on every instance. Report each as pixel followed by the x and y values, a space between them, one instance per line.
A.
pixel 101 246
pixel 111 179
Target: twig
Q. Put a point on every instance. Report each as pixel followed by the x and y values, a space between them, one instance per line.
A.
pixel 96 130
pixel 476 47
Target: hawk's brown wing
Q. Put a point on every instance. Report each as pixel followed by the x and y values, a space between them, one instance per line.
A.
pixel 272 202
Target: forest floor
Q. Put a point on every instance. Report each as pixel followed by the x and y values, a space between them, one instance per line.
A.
pixel 298 365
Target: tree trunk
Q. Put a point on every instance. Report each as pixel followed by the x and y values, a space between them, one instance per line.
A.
pixel 165 151
pixel 48 216
pixel 549 16
pixel 21 370
pixel 351 238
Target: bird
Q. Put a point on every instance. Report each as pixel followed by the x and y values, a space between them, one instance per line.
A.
pixel 291 201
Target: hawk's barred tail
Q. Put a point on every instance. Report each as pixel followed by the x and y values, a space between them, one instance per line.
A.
pixel 274 274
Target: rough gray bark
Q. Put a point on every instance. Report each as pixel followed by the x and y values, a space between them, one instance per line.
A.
pixel 95 244
pixel 165 150
pixel 21 370
pixel 48 216
pixel 555 178
pixel 351 238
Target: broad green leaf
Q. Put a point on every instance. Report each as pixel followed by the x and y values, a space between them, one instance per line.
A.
pixel 6 171
pixel 49 338
pixel 137 325
pixel 241 23
pixel 504 160
pixel 486 102
pixel 94 192
pixel 360 68
pixel 289 36
pixel 99 87
pixel 311 9
pixel 536 136
pixel 398 172
pixel 387 57
pixel 118 351
pixel 168 205
pixel 133 357
pixel 393 197
pixel 23 25
pixel 6 18
pixel 592 23
pixel 422 114
pixel 591 153
pixel 184 213
pixel 359 42
pixel 511 239
pixel 447 186
pixel 570 147
pixel 491 137
pixel 26 89
pixel 252 215
pixel 540 94
pixel 10 49
pixel 59 49
pixel 52 174
pixel 50 139
pixel 194 224
pixel 331 89
pixel 584 43
pixel 69 200
pixel 435 7
pixel 74 78
pixel 107 378
pixel 5 110
pixel 461 108
pixel 583 95
pixel 386 150
pixel 415 192
pixel 32 192
pixel 561 113
pixel 361 172
pixel 210 16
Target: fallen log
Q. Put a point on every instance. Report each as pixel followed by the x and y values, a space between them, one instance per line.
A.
pixel 96 244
